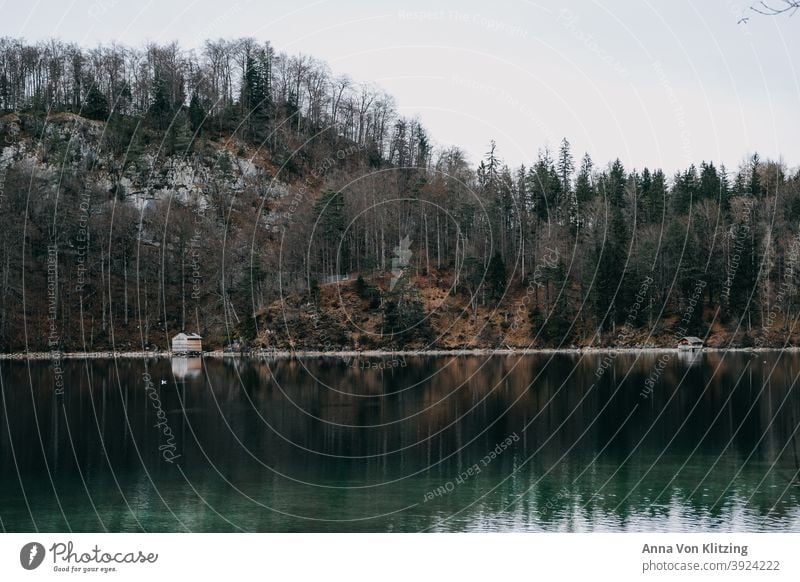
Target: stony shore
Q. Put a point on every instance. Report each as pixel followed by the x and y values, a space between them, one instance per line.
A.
pixel 280 354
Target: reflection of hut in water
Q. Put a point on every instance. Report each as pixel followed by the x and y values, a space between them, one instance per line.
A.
pixel 690 357
pixel 183 368
pixel 187 343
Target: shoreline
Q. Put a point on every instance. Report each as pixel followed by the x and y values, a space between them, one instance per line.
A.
pixel 304 354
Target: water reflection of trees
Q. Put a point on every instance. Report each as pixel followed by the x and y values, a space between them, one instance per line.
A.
pixel 269 426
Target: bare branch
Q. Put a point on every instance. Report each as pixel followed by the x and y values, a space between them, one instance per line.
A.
pixel 769 9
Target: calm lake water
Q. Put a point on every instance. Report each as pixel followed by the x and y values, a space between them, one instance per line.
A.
pixel 501 443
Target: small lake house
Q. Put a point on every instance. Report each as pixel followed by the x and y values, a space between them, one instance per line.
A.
pixel 187 343
pixel 690 343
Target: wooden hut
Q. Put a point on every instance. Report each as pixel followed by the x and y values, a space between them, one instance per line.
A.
pixel 187 343
pixel 690 344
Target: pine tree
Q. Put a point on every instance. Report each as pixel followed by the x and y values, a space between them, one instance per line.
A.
pixel 492 162
pixel 496 277
pixel 754 183
pixel 566 165
pixel 584 192
pixel 613 184
pixel 685 191
pixel 404 317
pixel 643 200
pixel 544 186
pixel 555 328
pixel 611 294
pixel 161 110
pixel 197 114
pixel 329 237
pixel 96 104
pixel 709 181
pixel 657 200
pixel 256 98
pixel 584 189
pixel 179 137
pixel 724 188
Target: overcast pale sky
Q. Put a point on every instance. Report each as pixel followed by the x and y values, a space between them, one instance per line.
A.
pixel 657 83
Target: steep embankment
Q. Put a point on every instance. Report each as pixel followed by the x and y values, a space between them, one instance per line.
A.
pixel 114 238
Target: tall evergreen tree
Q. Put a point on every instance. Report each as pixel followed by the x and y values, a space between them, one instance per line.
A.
pixel 545 187
pixel 329 237
pixel 565 166
pixel 613 184
pixel 754 181
pixel 256 98
pixel 654 196
pixel 584 189
pixel 710 183
pixel 197 114
pixel 552 322
pixel 96 104
pixel 161 107
pixel 743 271
pixel 610 293
pixel 724 188
pixel 685 191
pixel 496 277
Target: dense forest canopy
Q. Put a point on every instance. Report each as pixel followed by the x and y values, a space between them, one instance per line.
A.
pixel 251 195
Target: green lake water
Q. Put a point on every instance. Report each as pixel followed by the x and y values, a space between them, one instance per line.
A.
pixel 551 442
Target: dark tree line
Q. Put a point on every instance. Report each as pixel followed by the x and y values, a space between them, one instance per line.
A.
pixel 240 86
pixel 582 240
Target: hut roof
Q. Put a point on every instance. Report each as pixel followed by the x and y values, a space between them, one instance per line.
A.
pixel 692 339
pixel 184 335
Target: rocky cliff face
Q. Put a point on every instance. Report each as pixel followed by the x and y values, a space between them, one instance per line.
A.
pixel 114 239
pixel 137 173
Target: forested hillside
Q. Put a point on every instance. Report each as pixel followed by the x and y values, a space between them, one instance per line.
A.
pixel 251 195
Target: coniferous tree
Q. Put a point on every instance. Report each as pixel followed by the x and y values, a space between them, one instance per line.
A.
pixel 657 199
pixel 614 184
pixel 754 181
pixel 197 114
pixel 584 189
pixel 545 188
pixel 496 277
pixel 724 188
pixel 333 249
pixel 161 109
pixel 557 329
pixel 565 167
pixel 96 104
pixel 610 293
pixel 256 97
pixel 710 183
pixel 179 136
pixel 685 191
pixel 743 271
